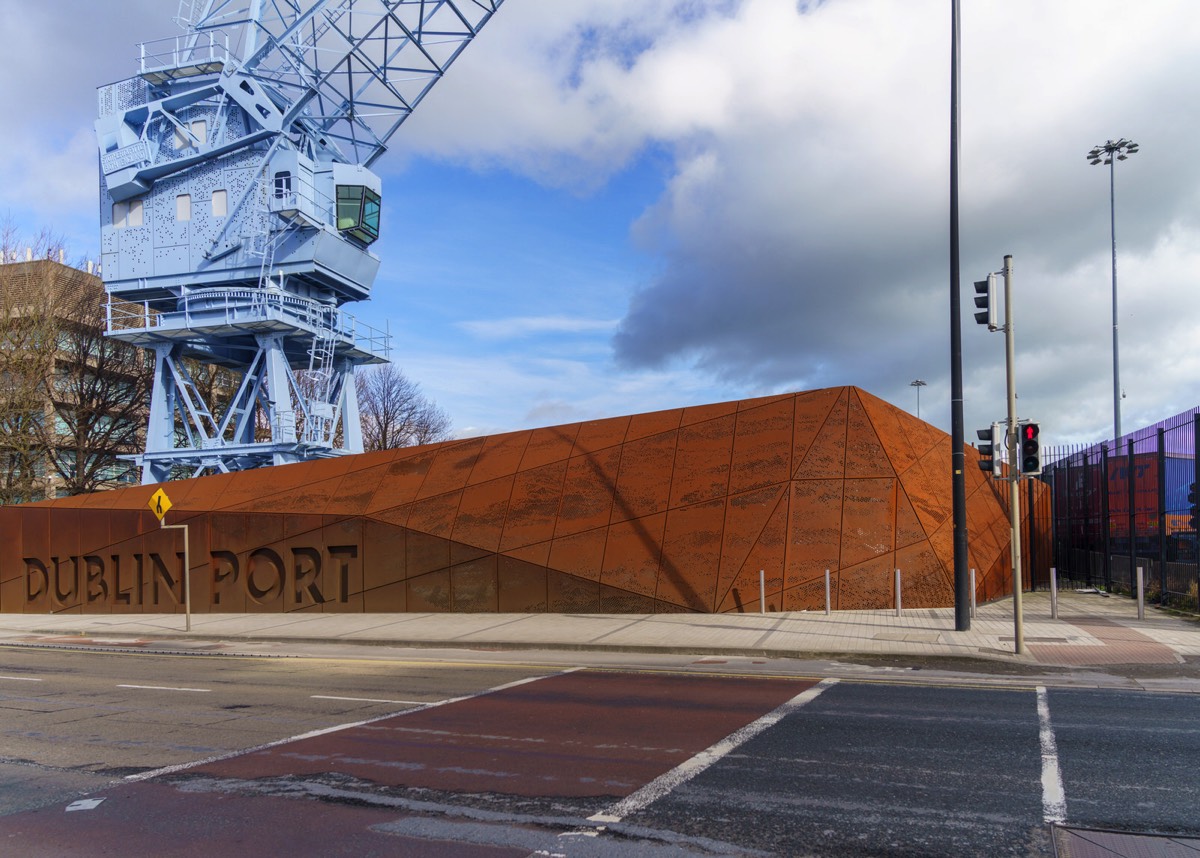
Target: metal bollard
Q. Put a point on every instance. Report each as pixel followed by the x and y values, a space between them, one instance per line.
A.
pixel 827 592
pixel 972 592
pixel 762 591
pixel 898 609
pixel 1141 593
pixel 1053 593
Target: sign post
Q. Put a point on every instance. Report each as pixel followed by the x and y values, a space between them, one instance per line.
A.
pixel 160 504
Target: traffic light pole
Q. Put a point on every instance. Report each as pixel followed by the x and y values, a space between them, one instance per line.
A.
pixel 1013 446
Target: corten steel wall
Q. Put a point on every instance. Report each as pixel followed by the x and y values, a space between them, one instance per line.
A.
pixel 662 512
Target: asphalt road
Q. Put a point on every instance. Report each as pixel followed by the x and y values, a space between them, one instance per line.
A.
pixel 499 759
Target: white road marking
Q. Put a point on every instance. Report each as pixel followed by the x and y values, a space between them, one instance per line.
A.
pixel 84 804
pixel 688 769
pixel 170 770
pixel 21 678
pixel 369 700
pixel 165 688
pixel 1054 798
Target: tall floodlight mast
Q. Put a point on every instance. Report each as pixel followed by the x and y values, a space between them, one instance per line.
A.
pixel 238 209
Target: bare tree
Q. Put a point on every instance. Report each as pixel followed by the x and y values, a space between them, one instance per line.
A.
pixel 72 401
pixel 394 412
pixel 28 340
pixel 99 391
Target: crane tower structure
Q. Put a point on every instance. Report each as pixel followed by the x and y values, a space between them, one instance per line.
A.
pixel 238 209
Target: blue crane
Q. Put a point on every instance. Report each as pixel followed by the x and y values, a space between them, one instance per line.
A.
pixel 238 210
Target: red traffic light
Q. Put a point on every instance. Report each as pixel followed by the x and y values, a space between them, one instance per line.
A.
pixel 1031 449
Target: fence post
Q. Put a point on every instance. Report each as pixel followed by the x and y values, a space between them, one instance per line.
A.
pixel 1105 503
pixel 1196 480
pixel 972 592
pixel 898 609
pixel 827 592
pixel 1030 537
pixel 1053 593
pixel 1141 596
pixel 1132 480
pixel 1161 461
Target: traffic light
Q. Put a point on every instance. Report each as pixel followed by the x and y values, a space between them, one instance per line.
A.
pixel 985 300
pixel 1194 500
pixel 1031 449
pixel 991 452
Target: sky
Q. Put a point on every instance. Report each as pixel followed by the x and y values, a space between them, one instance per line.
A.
pixel 615 206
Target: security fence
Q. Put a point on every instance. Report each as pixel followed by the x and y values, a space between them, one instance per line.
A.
pixel 1133 503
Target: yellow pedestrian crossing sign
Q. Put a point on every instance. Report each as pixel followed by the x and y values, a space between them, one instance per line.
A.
pixel 159 504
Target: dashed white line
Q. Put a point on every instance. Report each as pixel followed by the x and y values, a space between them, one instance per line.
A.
pixel 165 688
pixel 21 678
pixel 688 769
pixel 1054 797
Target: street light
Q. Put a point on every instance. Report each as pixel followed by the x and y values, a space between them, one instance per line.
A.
pixel 918 384
pixel 1104 154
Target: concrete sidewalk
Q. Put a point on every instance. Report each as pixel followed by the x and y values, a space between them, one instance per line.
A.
pixel 1092 629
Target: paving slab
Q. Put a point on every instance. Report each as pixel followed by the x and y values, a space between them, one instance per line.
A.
pixel 1090 630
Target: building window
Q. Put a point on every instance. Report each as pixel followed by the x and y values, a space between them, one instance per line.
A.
pixel 220 203
pixel 183 207
pixel 283 184
pixel 127 214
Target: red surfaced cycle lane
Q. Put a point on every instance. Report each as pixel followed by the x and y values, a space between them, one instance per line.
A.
pixel 578 736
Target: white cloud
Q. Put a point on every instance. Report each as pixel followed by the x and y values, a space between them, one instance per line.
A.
pixel 804 228
pixel 798 220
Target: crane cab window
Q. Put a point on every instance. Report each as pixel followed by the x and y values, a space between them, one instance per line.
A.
pixel 358 212
pixel 283 184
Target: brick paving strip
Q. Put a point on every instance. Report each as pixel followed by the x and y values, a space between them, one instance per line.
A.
pixel 1119 644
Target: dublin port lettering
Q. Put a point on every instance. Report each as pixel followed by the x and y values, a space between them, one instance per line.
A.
pixel 297 576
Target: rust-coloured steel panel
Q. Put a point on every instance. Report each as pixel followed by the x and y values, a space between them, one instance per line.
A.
pixel 644 485
pixel 587 495
pixel 500 456
pixel 582 553
pixel 674 510
pixel 769 553
pixel 653 423
pixel 522 587
pixel 745 515
pixel 402 480
pixel 693 532
pixel 868 521
pixel 633 553
pixel 762 446
pixel 435 514
pixel 533 507
pixel 474 587
pixel 482 511
pixel 826 456
pixel 596 435
pixel 552 444
pixel 701 470
pixel 451 468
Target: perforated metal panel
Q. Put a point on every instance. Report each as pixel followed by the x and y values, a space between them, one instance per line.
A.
pixel 612 516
